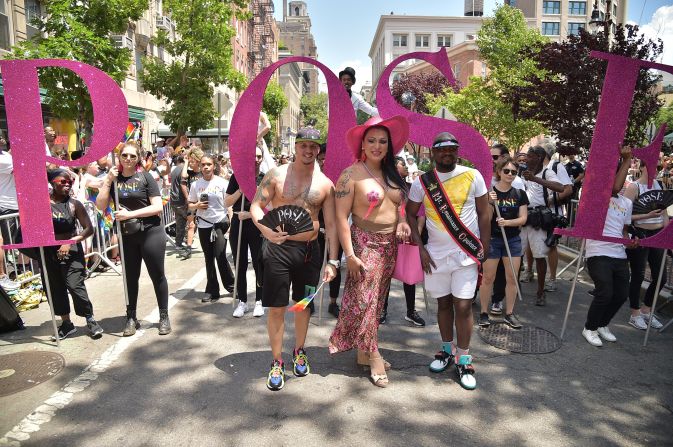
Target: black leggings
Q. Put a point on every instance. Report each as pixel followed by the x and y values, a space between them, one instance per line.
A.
pixel 409 296
pixel 148 246
pixel 67 276
pixel 216 250
pixel 251 238
pixel 638 259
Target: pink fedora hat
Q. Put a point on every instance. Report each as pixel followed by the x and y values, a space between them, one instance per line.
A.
pixel 398 126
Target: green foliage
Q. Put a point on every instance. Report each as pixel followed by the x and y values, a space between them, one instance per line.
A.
pixel 200 59
pixel 665 116
pixel 314 109
pixel 79 30
pixel 479 105
pixel 273 104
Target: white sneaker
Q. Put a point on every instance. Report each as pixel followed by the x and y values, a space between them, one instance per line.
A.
pixel 638 322
pixel 550 285
pixel 8 284
pixel 592 337
pixel 606 334
pixel 241 309
pixel 258 311
pixel 655 323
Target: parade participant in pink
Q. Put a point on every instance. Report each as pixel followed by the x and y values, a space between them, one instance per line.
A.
pixel 374 193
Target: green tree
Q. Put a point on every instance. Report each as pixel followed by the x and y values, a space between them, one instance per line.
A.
pixel 79 30
pixel 273 104
pixel 200 58
pixel 665 116
pixel 479 105
pixel 314 110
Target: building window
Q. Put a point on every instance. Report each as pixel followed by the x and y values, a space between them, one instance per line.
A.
pixel 4 26
pixel 551 7
pixel 33 15
pixel 577 8
pixel 614 10
pixel 399 40
pixel 456 71
pixel 422 41
pixel 551 28
pixel 574 27
pixel 443 41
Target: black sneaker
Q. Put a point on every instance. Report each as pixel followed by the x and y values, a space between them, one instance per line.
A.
pixel 187 252
pixel 414 318
pixel 592 292
pixel 131 326
pixel 512 321
pixel 95 331
pixel 276 379
pixel 541 300
pixel 66 328
pixel 333 309
pixel 383 317
pixel 483 320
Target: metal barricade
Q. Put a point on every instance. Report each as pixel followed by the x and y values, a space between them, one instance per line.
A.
pixel 13 261
pixel 168 220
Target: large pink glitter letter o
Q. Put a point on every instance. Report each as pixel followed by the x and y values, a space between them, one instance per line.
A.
pixel 611 123
pixel 243 132
pixel 423 128
pixel 26 136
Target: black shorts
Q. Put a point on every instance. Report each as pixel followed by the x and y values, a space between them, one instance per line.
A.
pixel 292 262
pixel 8 227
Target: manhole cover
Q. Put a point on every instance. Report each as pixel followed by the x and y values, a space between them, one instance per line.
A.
pixel 527 340
pixel 23 370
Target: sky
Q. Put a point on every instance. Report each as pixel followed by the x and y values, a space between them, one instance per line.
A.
pixel 344 29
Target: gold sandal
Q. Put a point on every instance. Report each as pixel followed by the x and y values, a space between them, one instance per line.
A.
pixel 362 359
pixel 380 380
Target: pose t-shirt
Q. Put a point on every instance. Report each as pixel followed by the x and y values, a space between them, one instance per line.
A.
pixel 135 193
pixel 619 214
pixel 508 204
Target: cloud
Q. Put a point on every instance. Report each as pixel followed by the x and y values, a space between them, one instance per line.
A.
pixel 661 26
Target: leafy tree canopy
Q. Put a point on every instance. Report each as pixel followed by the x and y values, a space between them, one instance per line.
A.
pixel 314 110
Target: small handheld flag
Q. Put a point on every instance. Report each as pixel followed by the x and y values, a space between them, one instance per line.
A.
pixel 301 305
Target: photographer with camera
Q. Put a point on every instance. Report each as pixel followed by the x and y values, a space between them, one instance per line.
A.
pixel 557 202
pixel 539 181
pixel 206 196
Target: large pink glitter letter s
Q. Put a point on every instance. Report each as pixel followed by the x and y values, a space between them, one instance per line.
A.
pixel 243 132
pixel 26 136
pixel 611 123
pixel 423 128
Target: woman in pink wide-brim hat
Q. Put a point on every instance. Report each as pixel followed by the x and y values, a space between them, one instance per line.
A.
pixel 373 193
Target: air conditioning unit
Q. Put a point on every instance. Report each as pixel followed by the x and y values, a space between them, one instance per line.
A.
pixel 122 41
pixel 164 23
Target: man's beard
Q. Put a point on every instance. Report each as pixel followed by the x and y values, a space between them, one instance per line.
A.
pixel 446 167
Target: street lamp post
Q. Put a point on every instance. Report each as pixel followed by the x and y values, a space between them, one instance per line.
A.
pixel 596 23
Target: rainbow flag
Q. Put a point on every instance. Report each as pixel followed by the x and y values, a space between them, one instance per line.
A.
pixel 130 128
pixel 301 305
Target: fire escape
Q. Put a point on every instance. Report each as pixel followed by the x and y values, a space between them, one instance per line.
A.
pixel 263 41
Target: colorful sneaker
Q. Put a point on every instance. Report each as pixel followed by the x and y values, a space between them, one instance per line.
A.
pixel 465 372
pixel 442 361
pixel 496 308
pixel 300 366
pixel 276 379
pixel 66 328
pixel 483 320
pixel 655 323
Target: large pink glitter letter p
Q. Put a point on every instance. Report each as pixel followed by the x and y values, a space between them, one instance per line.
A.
pixel 26 136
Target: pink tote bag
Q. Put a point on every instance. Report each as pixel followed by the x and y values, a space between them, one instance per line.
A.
pixel 408 267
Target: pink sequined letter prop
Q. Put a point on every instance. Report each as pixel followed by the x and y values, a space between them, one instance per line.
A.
pixel 611 123
pixel 423 128
pixel 243 132
pixel 26 136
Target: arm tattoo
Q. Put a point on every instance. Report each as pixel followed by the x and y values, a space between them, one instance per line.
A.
pixel 340 194
pixel 341 189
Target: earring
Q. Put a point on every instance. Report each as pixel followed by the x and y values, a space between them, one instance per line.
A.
pixel 363 156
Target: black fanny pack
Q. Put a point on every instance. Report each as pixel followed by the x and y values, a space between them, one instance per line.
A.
pixel 132 226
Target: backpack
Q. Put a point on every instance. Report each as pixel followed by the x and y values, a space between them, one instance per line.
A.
pixel 559 202
pixel 9 316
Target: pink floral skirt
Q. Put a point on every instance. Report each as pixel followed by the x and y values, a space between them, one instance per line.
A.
pixel 362 302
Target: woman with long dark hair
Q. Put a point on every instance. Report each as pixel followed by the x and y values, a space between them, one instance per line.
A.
pixel 65 264
pixel 143 235
pixel 373 192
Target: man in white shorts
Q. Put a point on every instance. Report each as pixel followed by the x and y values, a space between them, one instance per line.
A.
pixel 539 181
pixel 455 198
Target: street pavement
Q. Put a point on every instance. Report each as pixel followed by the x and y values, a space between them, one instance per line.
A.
pixel 204 384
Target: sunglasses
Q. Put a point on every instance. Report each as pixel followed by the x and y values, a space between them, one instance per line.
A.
pixel 63 182
pixel 129 156
pixel 509 171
